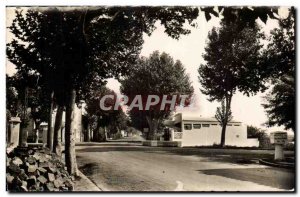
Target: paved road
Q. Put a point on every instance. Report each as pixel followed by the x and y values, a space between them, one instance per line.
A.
pixel 130 167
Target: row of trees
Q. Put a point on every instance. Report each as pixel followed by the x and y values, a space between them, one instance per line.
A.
pixel 71 50
pixel 102 123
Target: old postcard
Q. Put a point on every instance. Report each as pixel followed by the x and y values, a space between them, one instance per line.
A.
pixel 150 99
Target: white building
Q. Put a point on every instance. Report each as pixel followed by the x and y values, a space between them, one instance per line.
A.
pixel 198 131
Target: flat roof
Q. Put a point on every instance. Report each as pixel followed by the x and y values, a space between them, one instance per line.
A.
pixel 203 119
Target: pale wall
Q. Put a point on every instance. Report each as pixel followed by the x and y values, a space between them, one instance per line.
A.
pixel 208 136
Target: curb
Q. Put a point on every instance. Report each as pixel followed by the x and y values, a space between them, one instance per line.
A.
pixel 288 166
pixel 85 184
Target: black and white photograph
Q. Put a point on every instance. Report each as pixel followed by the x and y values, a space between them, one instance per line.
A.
pixel 150 98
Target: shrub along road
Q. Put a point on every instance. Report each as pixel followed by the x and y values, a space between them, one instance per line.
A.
pixel 121 166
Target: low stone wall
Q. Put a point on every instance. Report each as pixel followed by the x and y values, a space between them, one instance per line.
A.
pixel 161 143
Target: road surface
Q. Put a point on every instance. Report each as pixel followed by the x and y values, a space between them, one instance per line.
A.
pixel 121 166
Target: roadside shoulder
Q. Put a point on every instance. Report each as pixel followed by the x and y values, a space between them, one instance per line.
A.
pixel 84 184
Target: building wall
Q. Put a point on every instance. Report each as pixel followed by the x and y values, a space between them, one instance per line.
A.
pixel 208 136
pixel 205 136
pixel 237 136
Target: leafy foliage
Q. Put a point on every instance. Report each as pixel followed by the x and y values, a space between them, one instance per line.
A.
pixel 232 62
pixel 12 102
pixel 26 95
pixel 138 119
pixel 280 56
pixel 281 103
pixel 114 120
pixel 254 132
pixel 157 75
pixel 260 134
pixel 245 15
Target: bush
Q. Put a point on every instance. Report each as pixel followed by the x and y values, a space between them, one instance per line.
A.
pixel 118 135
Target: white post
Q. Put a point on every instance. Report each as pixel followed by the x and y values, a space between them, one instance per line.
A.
pixel 278 139
pixel 279 155
pixel 14 131
pixel 37 135
pixel 45 134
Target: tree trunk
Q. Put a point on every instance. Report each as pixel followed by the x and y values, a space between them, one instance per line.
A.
pixel 223 135
pixel 153 125
pixel 57 130
pixel 227 107
pixel 88 134
pixel 102 137
pixel 70 157
pixel 96 132
pixel 50 128
pixel 100 132
pixel 105 134
pixel 23 124
pixel 22 133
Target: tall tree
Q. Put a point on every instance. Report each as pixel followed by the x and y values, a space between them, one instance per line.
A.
pixel 280 55
pixel 157 75
pixel 232 64
pixel 57 130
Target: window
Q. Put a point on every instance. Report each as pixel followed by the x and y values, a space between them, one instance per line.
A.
pixel 197 126
pixel 205 125
pixel 237 125
pixel 229 124
pixel 214 124
pixel 187 126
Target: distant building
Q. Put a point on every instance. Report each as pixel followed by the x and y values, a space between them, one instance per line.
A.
pixel 198 131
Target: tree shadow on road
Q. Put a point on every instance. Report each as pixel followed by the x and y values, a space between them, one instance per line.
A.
pixel 277 178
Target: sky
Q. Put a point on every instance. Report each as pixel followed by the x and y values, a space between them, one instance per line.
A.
pixel 189 49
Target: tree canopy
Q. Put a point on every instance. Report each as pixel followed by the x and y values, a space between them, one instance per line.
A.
pixel 157 75
pixel 232 62
pixel 280 57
